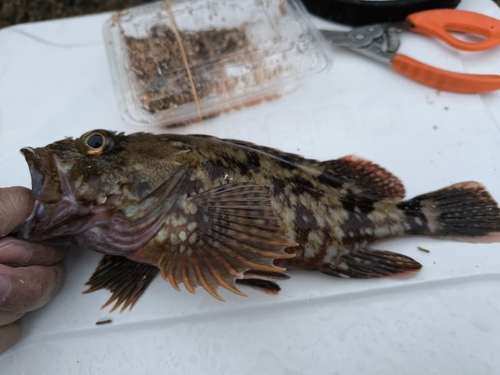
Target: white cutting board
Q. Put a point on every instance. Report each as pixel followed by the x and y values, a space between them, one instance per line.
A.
pixel 55 82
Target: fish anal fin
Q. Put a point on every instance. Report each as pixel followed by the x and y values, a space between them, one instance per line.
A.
pixel 364 175
pixel 266 275
pixel 236 230
pixel 368 263
pixel 265 286
pixel 125 279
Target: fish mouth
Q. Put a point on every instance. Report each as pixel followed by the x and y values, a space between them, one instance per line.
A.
pixel 45 184
pixel 55 205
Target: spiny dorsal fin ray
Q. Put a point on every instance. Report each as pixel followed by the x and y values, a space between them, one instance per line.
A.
pixel 362 174
pixel 237 230
pixel 290 157
pixel 125 279
pixel 357 172
pixel 348 172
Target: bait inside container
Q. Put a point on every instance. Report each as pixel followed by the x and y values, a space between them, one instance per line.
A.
pixel 232 53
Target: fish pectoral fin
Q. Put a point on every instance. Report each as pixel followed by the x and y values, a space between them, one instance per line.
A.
pixel 125 279
pixel 368 263
pixel 125 233
pixel 236 230
pixel 366 176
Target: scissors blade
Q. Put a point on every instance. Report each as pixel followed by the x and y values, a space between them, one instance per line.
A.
pixel 338 38
pixel 358 37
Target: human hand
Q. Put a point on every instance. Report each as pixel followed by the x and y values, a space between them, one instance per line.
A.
pixel 30 274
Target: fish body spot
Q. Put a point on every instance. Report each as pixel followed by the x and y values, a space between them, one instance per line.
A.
pixel 339 215
pixel 331 253
pixel 376 216
pixel 339 233
pixel 179 221
pixel 190 208
pixel 310 252
pixel 161 236
pixel 320 220
pixel 174 239
pixel 343 266
pixel 193 238
pixel 382 231
pixel 315 237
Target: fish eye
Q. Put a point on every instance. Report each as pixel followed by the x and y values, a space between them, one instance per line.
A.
pixel 95 143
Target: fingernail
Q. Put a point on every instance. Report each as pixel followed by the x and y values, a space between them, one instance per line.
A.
pixel 5 286
pixel 14 252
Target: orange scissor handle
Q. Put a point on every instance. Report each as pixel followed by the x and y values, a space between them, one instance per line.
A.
pixel 445 80
pixel 439 22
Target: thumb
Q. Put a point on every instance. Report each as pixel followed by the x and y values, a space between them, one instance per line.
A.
pixel 16 204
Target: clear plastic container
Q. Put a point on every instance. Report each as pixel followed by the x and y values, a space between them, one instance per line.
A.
pixel 238 52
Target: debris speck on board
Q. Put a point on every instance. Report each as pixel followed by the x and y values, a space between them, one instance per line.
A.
pixel 102 322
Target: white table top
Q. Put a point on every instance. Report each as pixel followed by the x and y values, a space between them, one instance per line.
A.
pixel 55 82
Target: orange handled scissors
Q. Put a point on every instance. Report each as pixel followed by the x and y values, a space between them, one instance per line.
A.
pixel 381 42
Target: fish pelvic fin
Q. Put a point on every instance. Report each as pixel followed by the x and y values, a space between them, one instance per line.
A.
pixel 235 229
pixel 463 212
pixel 367 263
pixel 125 279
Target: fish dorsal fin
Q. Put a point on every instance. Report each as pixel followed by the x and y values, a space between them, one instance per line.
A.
pixel 362 174
pixel 236 230
pixel 289 157
pixel 125 279
pixel 357 172
pixel 349 172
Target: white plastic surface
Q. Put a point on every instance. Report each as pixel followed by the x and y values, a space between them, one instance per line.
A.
pixel 445 320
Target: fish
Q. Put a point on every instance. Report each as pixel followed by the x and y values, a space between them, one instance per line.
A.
pixel 219 213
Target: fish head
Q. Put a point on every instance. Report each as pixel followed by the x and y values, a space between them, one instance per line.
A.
pixel 83 182
pixel 87 169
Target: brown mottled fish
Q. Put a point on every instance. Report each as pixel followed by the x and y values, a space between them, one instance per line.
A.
pixel 211 212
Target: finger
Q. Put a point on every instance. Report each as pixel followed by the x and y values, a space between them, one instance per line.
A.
pixel 9 317
pixel 16 252
pixel 9 335
pixel 16 204
pixel 23 289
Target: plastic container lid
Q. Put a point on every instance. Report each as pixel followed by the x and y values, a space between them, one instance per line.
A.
pixel 238 53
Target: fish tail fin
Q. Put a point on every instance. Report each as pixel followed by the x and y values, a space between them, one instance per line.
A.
pixel 463 212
